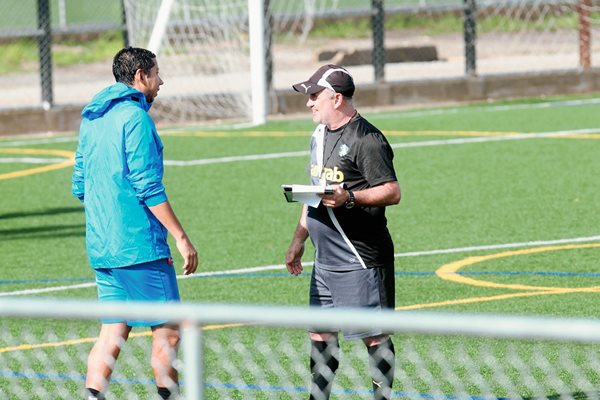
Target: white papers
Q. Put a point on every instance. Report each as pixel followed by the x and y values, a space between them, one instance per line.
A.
pixel 307 194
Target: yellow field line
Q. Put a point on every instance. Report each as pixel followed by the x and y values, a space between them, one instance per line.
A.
pixel 69 155
pixel 46 152
pixel 449 272
pixel 221 134
pixel 473 300
pixel 259 134
pixel 24 347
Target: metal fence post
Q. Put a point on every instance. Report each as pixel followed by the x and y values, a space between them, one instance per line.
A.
pixel 124 28
pixel 378 28
pixel 470 35
pixel 585 36
pixel 269 26
pixel 191 343
pixel 45 52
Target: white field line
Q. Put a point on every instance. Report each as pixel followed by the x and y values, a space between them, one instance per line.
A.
pixel 309 263
pixel 483 139
pixel 444 142
pixel 30 160
pixel 256 157
pixel 426 143
pixel 406 114
pixel 47 289
pixel 29 142
pixel 250 157
pixel 467 249
pixel 506 107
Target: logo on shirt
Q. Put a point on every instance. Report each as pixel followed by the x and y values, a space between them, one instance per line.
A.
pixel 344 149
pixel 329 174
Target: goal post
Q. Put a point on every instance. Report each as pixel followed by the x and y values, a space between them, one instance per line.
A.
pixel 160 26
pixel 258 67
pixel 211 56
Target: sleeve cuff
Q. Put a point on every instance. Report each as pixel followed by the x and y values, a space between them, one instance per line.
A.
pixel 156 199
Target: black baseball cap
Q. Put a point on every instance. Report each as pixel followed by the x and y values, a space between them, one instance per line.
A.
pixel 331 77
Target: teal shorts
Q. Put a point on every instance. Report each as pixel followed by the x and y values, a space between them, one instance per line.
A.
pixel 153 281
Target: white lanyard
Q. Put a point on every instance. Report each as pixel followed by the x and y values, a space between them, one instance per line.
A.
pixel 319 137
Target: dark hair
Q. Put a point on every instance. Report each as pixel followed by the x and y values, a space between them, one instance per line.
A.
pixel 128 60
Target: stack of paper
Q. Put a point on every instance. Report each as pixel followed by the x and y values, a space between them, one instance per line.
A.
pixel 307 194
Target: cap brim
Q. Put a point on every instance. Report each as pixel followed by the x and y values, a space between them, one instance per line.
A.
pixel 307 87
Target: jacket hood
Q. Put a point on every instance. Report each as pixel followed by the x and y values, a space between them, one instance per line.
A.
pixel 107 97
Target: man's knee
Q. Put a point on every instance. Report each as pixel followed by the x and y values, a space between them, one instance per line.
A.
pixel 166 336
pixel 375 340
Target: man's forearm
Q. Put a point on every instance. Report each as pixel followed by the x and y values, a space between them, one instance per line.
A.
pixel 165 214
pixel 301 233
pixel 386 194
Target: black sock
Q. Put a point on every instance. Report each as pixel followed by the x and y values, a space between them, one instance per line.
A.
pixel 93 394
pixel 382 361
pixel 324 362
pixel 164 393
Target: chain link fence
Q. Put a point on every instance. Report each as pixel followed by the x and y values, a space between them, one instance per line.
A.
pixel 64 56
pixel 244 352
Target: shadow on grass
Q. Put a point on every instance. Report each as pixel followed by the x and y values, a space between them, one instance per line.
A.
pixel 574 396
pixel 43 232
pixel 48 211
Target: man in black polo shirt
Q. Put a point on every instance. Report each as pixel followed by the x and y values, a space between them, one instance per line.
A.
pixel 354 260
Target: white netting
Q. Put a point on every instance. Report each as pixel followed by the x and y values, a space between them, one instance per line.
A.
pixel 533 35
pixel 270 363
pixel 205 54
pixel 44 358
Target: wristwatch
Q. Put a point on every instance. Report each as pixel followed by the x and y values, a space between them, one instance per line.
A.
pixel 351 202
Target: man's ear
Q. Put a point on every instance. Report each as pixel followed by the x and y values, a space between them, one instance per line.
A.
pixel 140 76
pixel 139 80
pixel 338 100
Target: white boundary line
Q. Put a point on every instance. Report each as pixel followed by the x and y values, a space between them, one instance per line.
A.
pixel 506 107
pixel 17 143
pixel 381 115
pixel 499 246
pixel 444 142
pixel 483 139
pixel 308 263
pixel 250 157
pixel 30 160
pixel 426 143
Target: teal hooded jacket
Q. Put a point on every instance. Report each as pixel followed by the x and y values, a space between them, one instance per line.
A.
pixel 117 175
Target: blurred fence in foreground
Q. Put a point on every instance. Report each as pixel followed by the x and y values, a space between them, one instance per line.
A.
pixel 258 352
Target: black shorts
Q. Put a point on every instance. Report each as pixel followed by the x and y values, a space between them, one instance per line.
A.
pixel 370 288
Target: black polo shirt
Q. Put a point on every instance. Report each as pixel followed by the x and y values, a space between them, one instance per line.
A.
pixel 359 155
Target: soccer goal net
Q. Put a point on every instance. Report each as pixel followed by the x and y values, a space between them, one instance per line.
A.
pixel 206 51
pixel 203 56
pixel 252 352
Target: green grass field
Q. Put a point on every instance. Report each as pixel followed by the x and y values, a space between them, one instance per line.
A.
pixel 514 183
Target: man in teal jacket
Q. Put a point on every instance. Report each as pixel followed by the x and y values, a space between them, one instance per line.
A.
pixel 118 176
